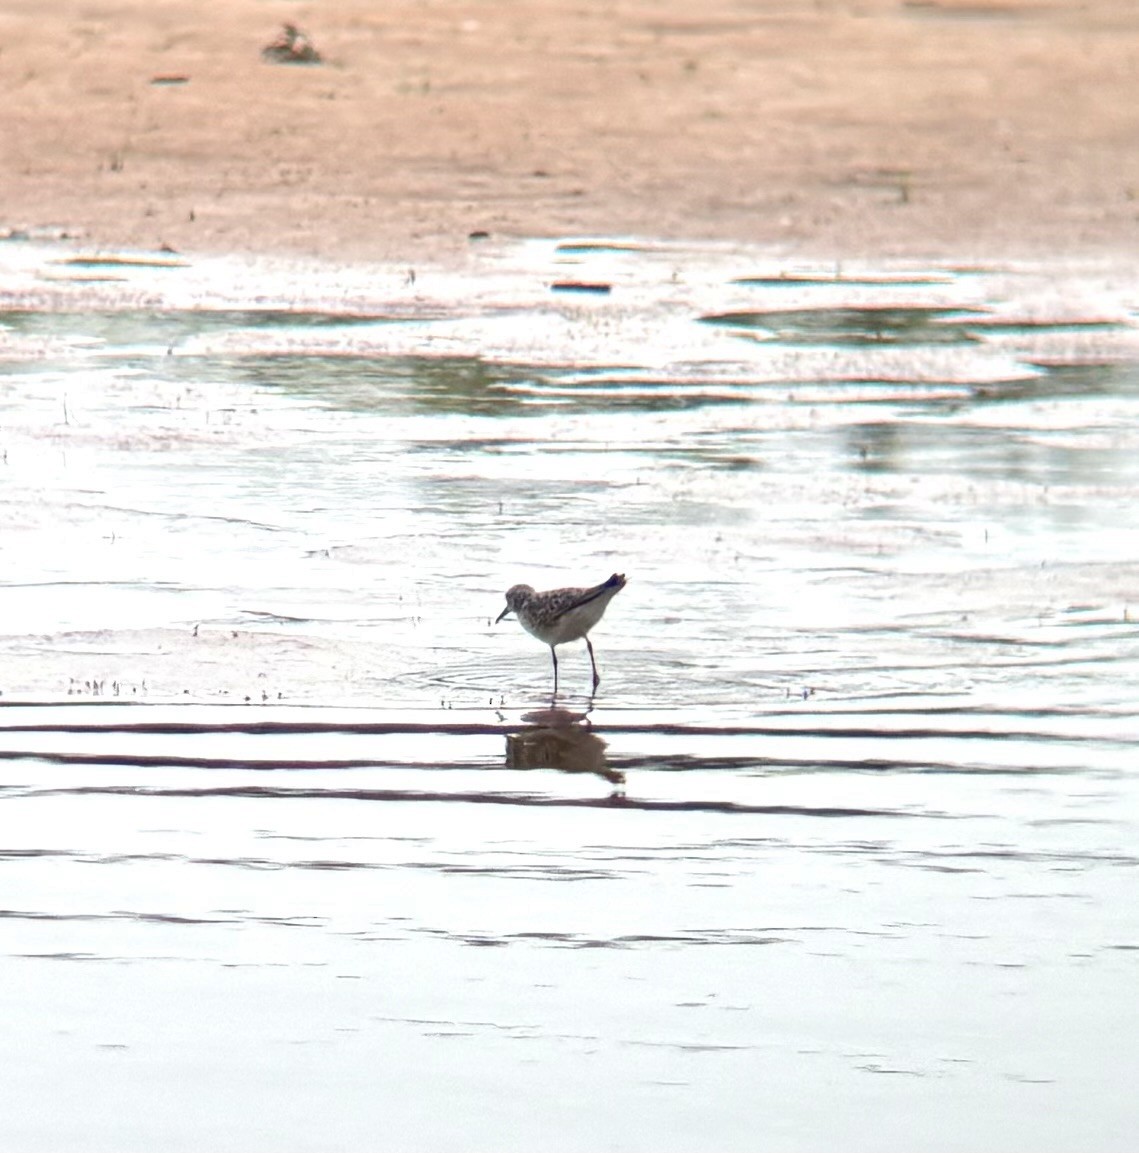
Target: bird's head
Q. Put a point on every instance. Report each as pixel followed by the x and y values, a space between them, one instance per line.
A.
pixel 515 596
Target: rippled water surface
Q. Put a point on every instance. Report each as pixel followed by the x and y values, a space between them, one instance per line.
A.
pixel 297 851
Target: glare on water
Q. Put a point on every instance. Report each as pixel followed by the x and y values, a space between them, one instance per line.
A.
pixel 298 848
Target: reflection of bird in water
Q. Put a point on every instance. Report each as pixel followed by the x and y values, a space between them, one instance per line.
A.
pixel 562 615
pixel 557 739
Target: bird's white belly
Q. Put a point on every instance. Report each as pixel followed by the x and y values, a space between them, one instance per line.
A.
pixel 570 626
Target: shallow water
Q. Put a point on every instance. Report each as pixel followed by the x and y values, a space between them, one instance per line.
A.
pixel 851 822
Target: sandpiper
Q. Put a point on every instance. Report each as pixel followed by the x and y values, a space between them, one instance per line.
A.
pixel 562 615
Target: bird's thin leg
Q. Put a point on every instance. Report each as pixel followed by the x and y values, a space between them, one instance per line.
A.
pixel 554 654
pixel 596 678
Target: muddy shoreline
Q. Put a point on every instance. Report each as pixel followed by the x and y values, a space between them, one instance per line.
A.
pixel 947 128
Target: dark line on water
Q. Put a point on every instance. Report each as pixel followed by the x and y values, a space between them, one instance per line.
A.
pixel 674 763
pixel 614 801
pixel 473 728
pixel 152 761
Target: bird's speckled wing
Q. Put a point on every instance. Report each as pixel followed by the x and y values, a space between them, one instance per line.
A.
pixel 571 599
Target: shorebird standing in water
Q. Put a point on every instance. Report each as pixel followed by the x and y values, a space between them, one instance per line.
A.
pixel 562 615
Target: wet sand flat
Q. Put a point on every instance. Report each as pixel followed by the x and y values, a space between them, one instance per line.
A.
pixel 878 128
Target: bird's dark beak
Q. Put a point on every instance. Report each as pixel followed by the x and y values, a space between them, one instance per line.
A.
pixel 502 614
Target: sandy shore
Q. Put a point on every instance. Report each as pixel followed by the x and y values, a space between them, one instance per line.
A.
pixel 862 127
